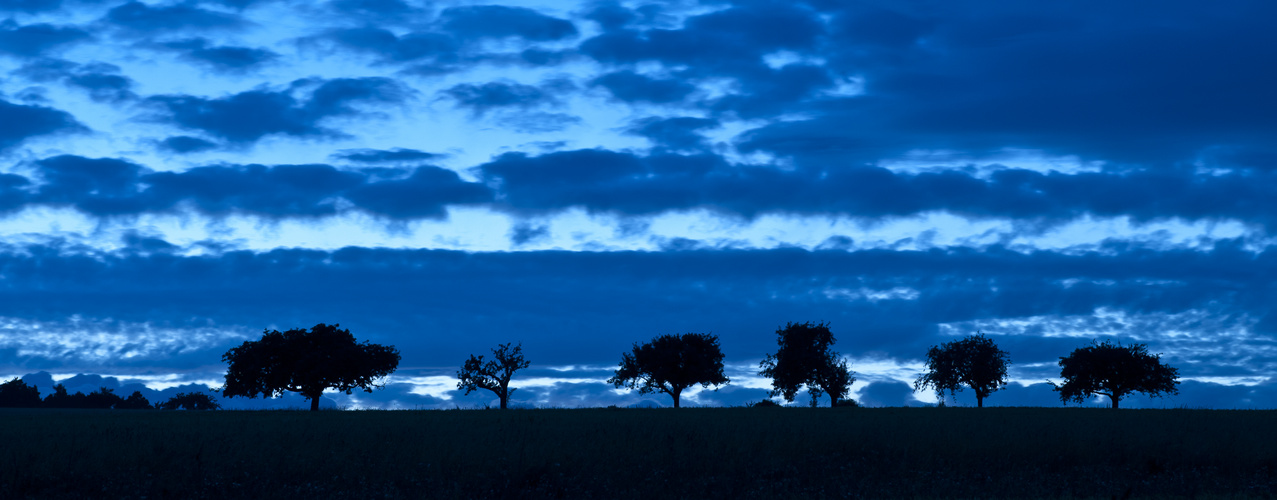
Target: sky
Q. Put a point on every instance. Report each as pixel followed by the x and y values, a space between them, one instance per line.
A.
pixel 444 177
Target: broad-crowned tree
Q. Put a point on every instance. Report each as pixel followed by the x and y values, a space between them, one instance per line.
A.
pixel 17 394
pixel 493 375
pixel 135 401
pixel 190 401
pixel 671 364
pixel 974 362
pixel 804 358
pixel 1114 370
pixel 306 362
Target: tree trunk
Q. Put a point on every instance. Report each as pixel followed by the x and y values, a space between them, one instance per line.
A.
pixel 504 399
pixel 676 394
pixel 979 401
pixel 833 401
pixel 1114 399
pixel 314 403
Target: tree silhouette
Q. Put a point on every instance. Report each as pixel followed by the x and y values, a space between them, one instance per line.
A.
pixel 670 364
pixel 804 358
pixel 1114 370
pixel 493 375
pixel 17 394
pixel 975 362
pixel 60 398
pixel 135 401
pixel 306 362
pixel 102 399
pixel 190 401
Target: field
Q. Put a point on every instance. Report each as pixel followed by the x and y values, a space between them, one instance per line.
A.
pixel 640 453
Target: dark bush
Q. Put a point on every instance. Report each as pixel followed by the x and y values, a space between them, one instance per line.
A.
pixel 191 401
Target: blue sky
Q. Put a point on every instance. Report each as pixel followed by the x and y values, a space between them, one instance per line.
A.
pixel 176 177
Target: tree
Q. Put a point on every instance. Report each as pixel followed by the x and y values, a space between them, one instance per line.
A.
pixel 804 358
pixel 493 375
pixel 102 399
pixel 1114 370
pixel 60 399
pixel 306 362
pixel 17 394
pixel 670 364
pixel 189 401
pixel 975 362
pixel 135 401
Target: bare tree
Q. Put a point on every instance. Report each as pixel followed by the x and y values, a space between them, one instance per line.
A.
pixel 495 374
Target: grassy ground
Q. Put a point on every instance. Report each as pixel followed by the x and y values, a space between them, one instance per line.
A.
pixel 641 453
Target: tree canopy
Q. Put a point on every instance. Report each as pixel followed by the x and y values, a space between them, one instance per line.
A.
pixel 17 394
pixel 671 364
pixel 975 362
pixel 190 401
pixel 495 374
pixel 306 362
pixel 1114 370
pixel 805 358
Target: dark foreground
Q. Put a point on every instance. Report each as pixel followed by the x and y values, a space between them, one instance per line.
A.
pixel 641 453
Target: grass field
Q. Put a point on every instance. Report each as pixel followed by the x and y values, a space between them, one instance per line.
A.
pixel 640 453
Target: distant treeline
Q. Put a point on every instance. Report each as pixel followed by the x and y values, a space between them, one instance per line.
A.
pixel 17 394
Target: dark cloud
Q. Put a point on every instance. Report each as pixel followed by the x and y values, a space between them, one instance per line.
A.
pixel 887 393
pixel 630 183
pixel 425 193
pixel 481 98
pixel 498 21
pixel 526 232
pixel 396 155
pixel 183 144
pixel 20 122
pixel 222 58
pixel 679 133
pixel 34 40
pixel 102 81
pixel 141 18
pixel 112 187
pixel 248 116
pixel 1106 82
pixel 629 86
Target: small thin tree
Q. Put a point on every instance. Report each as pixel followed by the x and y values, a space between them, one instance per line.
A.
pixel 672 363
pixel 495 374
pixel 975 362
pixel 1114 370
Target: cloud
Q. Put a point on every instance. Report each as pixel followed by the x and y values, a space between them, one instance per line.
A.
pixel 248 116
pixel 634 184
pixel 481 98
pixel 981 77
pixel 184 144
pixel 629 86
pixel 109 187
pixel 34 40
pixel 141 18
pixel 396 155
pixel 498 21
pixel 439 50
pixel 678 133
pixel 103 82
pixel 21 122
pixel 230 59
